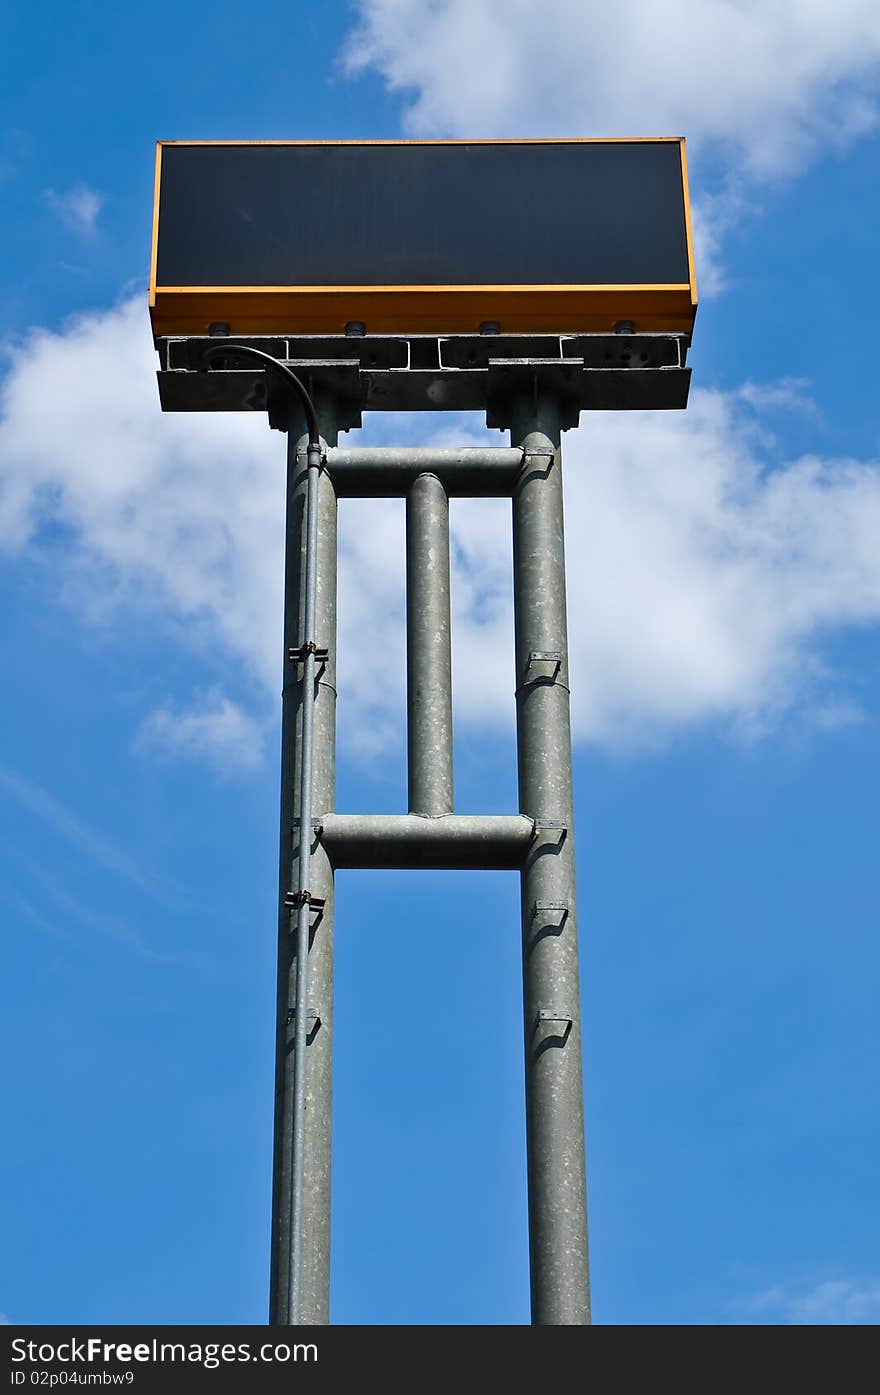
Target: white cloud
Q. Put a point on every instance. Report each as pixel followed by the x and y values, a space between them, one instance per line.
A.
pixel 178 515
pixel 713 217
pixel 78 208
pixel 759 87
pixel 764 81
pixel 836 1302
pixel 214 728
pixel 704 571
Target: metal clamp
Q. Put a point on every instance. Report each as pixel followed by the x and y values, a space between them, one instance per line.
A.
pixel 553 1017
pixel 560 829
pixel 541 458
pixel 294 899
pixel 298 656
pixel 545 908
pixel 313 1020
pixel 545 656
pixel 303 455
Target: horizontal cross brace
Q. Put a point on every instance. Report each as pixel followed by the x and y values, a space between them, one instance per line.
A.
pixel 480 841
pixel 387 472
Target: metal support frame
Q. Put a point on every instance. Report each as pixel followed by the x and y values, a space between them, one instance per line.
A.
pixel 537 842
pixel 460 373
pixel 536 396
pixel 554 1093
pixel 300 1255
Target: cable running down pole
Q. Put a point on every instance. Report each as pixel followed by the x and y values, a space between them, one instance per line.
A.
pixel 302 898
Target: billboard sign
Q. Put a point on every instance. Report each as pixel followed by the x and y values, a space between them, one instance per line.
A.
pixel 421 237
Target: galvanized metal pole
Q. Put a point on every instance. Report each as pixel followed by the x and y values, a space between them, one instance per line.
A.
pixel 304 1172
pixel 480 841
pixel 428 649
pixel 385 471
pixel 554 1094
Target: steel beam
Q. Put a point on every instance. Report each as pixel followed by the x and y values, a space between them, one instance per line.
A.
pixel 428 649
pixel 593 372
pixel 315 1274
pixel 494 841
pixel 554 1094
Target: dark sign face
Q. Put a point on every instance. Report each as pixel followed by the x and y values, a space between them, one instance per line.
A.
pixel 433 237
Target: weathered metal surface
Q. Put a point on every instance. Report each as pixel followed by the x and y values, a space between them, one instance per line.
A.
pixel 428 649
pixel 552 1038
pixel 313 1304
pixel 491 841
pixel 390 471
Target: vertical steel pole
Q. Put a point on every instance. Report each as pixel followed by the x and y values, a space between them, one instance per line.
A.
pixel 554 1094
pixel 314 1289
pixel 428 649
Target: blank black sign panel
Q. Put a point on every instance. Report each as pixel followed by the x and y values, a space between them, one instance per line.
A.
pixel 419 216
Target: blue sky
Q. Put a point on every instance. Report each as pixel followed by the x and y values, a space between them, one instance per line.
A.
pixel 724 574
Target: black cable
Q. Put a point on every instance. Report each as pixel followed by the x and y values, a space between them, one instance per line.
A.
pixel 222 349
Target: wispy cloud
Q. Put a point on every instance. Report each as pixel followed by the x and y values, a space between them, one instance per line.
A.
pixel 834 1302
pixel 78 208
pixel 24 908
pixel 214 729
pixel 105 925
pixel 56 816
